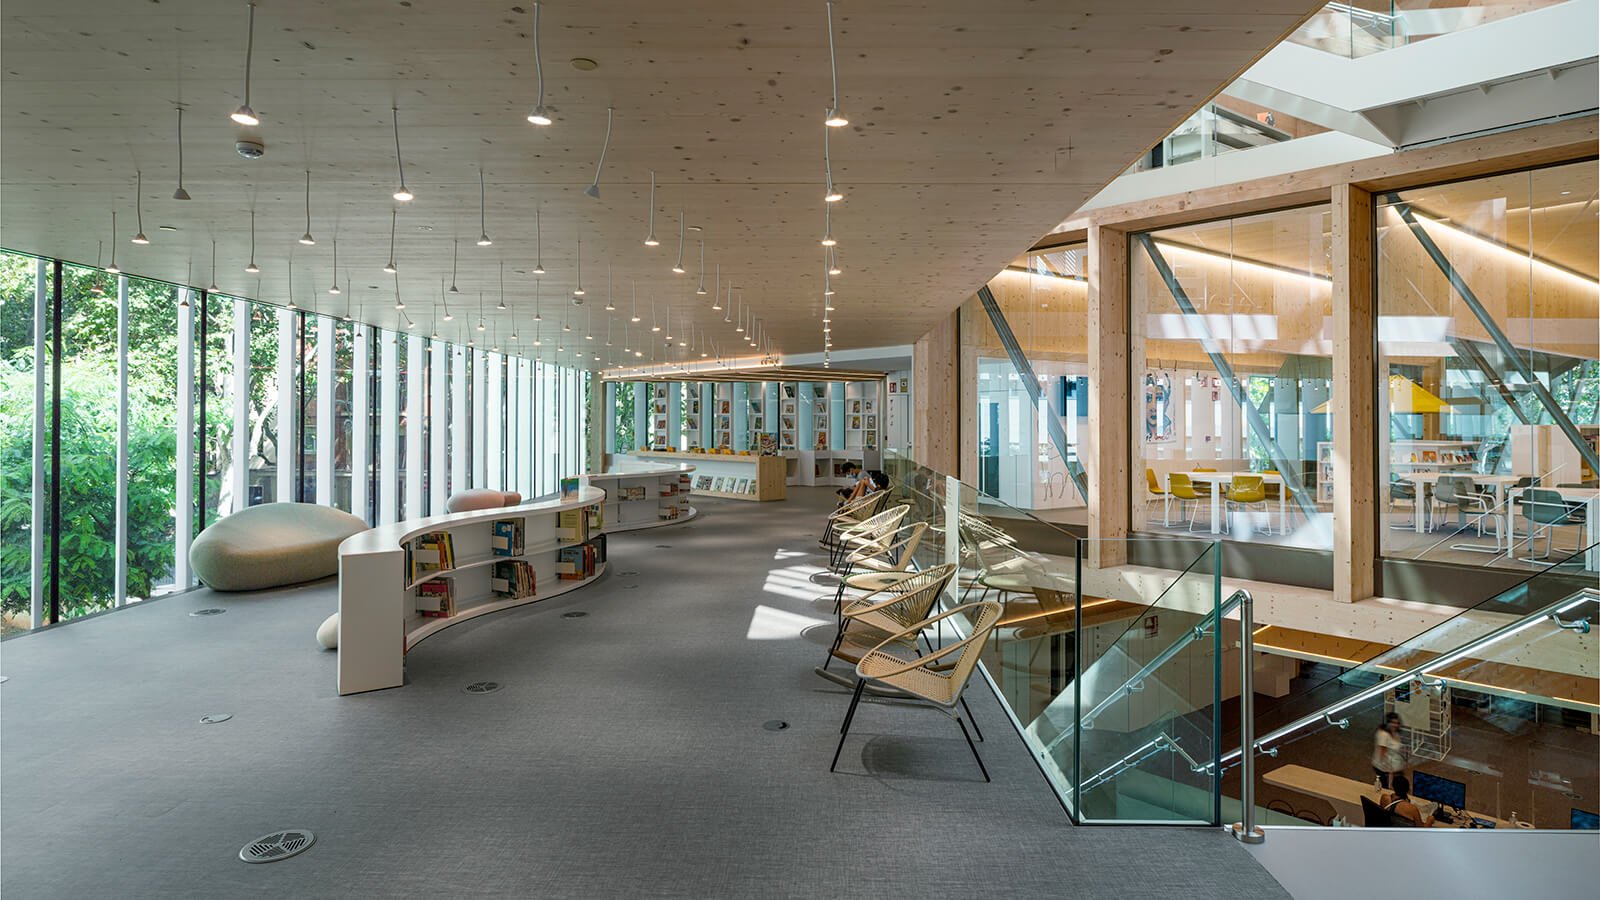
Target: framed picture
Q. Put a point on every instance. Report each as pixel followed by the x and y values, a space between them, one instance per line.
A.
pixel 822 440
pixel 872 421
pixel 855 423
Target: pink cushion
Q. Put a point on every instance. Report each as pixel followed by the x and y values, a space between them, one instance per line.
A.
pixel 481 498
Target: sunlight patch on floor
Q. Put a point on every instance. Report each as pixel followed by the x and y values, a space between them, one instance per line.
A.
pixel 769 624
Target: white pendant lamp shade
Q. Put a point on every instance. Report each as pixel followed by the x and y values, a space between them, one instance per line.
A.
pixel 593 190
pixel 390 267
pixel 650 236
pixel 483 220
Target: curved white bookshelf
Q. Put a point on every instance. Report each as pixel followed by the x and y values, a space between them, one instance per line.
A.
pixel 378 621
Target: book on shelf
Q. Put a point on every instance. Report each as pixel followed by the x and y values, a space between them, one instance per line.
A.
pixel 569 487
pixel 666 488
pixel 768 445
pixel 596 518
pixel 741 486
pixel 822 440
pixel 436 599
pixel 630 492
pixel 429 553
pixel 572 526
pixel 789 388
pixel 514 579
pixel 750 486
pixel 702 482
pixel 507 538
pixel 581 560
pixel 667 512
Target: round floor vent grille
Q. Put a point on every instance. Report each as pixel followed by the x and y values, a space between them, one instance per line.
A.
pixel 209 611
pixel 277 845
pixel 481 687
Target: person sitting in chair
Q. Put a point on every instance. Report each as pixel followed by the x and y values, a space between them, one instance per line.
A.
pixel 853 489
pixel 1397 801
pixel 870 483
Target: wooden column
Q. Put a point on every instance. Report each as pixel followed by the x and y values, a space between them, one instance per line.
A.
pixel 1106 461
pixel 965 418
pixel 935 437
pixel 1354 390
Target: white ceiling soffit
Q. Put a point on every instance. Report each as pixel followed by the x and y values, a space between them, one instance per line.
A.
pixel 1531 67
pixel 973 129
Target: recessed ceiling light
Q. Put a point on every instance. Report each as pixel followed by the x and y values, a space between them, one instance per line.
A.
pixel 584 64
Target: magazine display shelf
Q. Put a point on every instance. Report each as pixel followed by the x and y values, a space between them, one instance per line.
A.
pixel 654 509
pixel 378 621
pixel 763 475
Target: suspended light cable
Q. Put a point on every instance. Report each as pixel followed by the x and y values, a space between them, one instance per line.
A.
pixel 213 288
pixel 827 230
pixel 538 238
pixel 244 115
pixel 831 194
pixel 540 115
pixel 113 267
pixel 833 118
pixel 677 267
pixel 335 288
pixel 252 268
pixel 593 190
pixel 578 291
pixel 701 290
pixel 180 193
pixel 455 251
pixel 390 267
pixel 483 215
pixel 138 207
pixel 402 193
pixel 306 238
pixel 650 236
pixel 716 298
pixel 611 306
pixel 502 285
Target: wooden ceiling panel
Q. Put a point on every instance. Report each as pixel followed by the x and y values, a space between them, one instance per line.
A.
pixel 974 129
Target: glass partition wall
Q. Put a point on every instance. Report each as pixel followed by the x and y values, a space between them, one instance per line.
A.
pixel 1489 341
pixel 178 407
pixel 1232 378
pixel 1033 383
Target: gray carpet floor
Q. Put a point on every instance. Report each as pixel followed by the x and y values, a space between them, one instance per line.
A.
pixel 625 755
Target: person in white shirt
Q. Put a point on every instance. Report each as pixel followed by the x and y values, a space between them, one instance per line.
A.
pixel 1388 753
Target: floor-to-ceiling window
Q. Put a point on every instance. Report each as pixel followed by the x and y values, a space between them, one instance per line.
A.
pixel 1231 377
pixel 1489 341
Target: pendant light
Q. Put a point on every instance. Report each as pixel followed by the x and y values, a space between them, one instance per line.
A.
pixel 252 268
pixel 113 267
pixel 677 267
pixel 502 304
pixel 480 310
pixel 610 306
pixel 483 226
pixel 833 261
pixel 538 239
pixel 701 290
pixel 827 230
pixel 578 291
pixel 455 251
pixel 138 207
pixel 740 326
pixel 389 267
pixel 540 115
pixel 655 324
pixel 180 193
pixel 593 190
pixel 399 303
pixel 444 298
pixel 635 318
pixel 650 237
pixel 833 118
pixel 244 115
pixel 716 298
pixel 402 193
pixel 291 281
pixel 213 288
pixel 306 238
pixel 334 289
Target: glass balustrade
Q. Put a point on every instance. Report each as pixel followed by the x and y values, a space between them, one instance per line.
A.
pixel 1136 650
pixel 1364 28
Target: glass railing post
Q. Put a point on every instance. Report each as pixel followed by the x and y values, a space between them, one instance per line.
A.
pixel 1246 829
pixel 1080 547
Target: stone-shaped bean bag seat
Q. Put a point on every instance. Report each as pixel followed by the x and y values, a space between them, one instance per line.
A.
pixel 481 498
pixel 272 545
pixel 328 633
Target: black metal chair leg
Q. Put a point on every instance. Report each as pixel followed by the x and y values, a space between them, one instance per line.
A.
pixel 970 745
pixel 970 717
pixel 844 731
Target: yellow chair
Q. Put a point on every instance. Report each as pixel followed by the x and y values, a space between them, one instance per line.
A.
pixel 1157 492
pixel 1203 488
pixel 1181 489
pixel 1246 490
